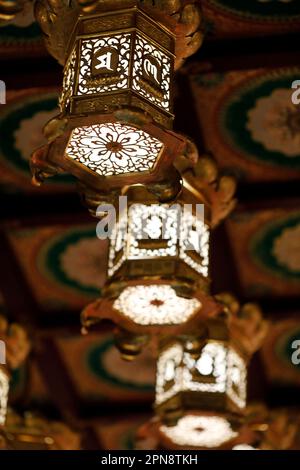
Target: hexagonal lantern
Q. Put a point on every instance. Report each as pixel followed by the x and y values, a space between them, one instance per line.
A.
pixel 120 58
pixel 116 106
pixel 216 379
pixel 14 348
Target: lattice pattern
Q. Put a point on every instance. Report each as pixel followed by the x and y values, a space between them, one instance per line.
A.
pixel 200 431
pixel 144 49
pixel 225 368
pixel 114 149
pixel 155 305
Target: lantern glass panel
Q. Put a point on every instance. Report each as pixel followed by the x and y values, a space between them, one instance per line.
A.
pixel 219 369
pixel 155 305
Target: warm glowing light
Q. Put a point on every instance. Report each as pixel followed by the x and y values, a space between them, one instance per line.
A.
pixel 4 387
pixel 113 149
pixel 152 66
pixel 243 447
pixel 155 305
pixel 200 431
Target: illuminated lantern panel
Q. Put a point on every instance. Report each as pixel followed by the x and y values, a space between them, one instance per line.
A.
pixel 218 377
pixel 113 149
pixel 155 305
pixel 4 388
pixel 121 58
pixel 200 431
pixel 152 238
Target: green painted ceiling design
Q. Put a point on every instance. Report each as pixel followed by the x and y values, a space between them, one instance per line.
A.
pixel 263 104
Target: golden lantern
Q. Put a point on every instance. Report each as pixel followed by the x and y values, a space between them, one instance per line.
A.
pixel 216 379
pixel 123 57
pixel 116 104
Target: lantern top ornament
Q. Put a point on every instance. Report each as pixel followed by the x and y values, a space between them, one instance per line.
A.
pixel 57 20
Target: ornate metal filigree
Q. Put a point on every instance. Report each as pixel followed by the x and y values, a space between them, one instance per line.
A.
pixel 57 19
pixel 155 305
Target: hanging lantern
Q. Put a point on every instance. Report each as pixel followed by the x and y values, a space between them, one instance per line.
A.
pixel 120 58
pixel 201 396
pixel 194 431
pixel 215 379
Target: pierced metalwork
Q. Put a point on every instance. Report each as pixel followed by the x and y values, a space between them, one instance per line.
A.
pixel 4 388
pixel 160 231
pixel 104 64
